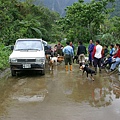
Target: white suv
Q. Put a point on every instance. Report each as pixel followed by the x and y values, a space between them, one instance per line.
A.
pixel 28 54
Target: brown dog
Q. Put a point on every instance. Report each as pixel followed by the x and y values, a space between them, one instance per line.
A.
pixel 60 59
pixel 51 64
pixel 55 60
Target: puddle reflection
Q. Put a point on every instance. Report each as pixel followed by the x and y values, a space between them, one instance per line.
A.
pixel 61 86
pixel 5 91
pixel 119 77
pixel 29 88
pixel 100 93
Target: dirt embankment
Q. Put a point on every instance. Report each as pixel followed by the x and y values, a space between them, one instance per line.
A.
pixel 3 73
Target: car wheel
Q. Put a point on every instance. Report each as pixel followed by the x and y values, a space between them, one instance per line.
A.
pixel 13 72
pixel 43 72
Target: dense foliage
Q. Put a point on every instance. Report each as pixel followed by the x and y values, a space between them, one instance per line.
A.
pixel 4 54
pixel 82 21
pixel 23 20
pixel 85 21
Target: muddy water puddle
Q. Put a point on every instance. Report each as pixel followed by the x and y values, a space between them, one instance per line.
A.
pixel 60 94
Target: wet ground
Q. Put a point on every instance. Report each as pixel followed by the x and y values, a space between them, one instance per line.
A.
pixel 60 95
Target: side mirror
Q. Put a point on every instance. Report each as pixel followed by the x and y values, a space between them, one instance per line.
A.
pixel 12 47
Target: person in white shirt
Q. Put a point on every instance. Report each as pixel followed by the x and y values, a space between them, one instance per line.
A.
pixel 97 55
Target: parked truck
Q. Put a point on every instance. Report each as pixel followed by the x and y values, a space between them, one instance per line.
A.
pixel 28 54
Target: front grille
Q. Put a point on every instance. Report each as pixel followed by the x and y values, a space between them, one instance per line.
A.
pixel 33 66
pixel 26 60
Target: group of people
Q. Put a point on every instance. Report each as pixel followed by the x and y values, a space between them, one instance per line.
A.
pixel 99 56
pixel 114 56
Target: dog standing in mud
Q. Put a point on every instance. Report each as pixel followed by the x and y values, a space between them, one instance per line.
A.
pixel 88 70
pixel 51 62
pixel 55 60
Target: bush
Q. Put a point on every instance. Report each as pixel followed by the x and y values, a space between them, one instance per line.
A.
pixel 4 55
pixel 105 39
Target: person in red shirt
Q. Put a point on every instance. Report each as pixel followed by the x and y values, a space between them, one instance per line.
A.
pixel 117 59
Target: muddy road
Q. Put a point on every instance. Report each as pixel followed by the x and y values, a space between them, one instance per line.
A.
pixel 60 95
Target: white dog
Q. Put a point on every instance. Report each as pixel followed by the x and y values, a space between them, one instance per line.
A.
pixel 52 61
pixel 55 60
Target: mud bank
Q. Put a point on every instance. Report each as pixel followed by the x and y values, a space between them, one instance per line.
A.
pixel 5 72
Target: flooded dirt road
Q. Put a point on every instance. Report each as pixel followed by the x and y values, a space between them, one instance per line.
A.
pixel 60 95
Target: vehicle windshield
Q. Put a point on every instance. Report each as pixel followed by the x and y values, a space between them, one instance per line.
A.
pixel 28 45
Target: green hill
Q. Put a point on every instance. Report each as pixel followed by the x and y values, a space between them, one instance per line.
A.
pixel 60 5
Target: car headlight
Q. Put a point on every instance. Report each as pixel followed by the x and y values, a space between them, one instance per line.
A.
pixel 13 60
pixel 41 60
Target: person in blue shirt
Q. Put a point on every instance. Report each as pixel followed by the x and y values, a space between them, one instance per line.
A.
pixel 112 49
pixel 90 50
pixel 68 55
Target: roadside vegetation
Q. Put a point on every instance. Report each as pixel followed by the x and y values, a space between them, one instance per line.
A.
pixel 4 54
pixel 24 20
pixel 83 21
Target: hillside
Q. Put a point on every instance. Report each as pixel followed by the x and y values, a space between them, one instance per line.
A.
pixel 117 8
pixel 58 5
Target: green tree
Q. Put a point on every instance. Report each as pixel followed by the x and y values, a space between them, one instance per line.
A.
pixel 110 30
pixel 25 20
pixel 83 20
pixel 115 29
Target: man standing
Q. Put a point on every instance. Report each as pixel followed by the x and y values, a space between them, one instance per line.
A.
pixel 68 55
pixel 81 53
pixel 59 49
pixel 90 50
pixel 97 55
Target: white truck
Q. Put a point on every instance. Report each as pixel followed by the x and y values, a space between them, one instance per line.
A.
pixel 28 54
